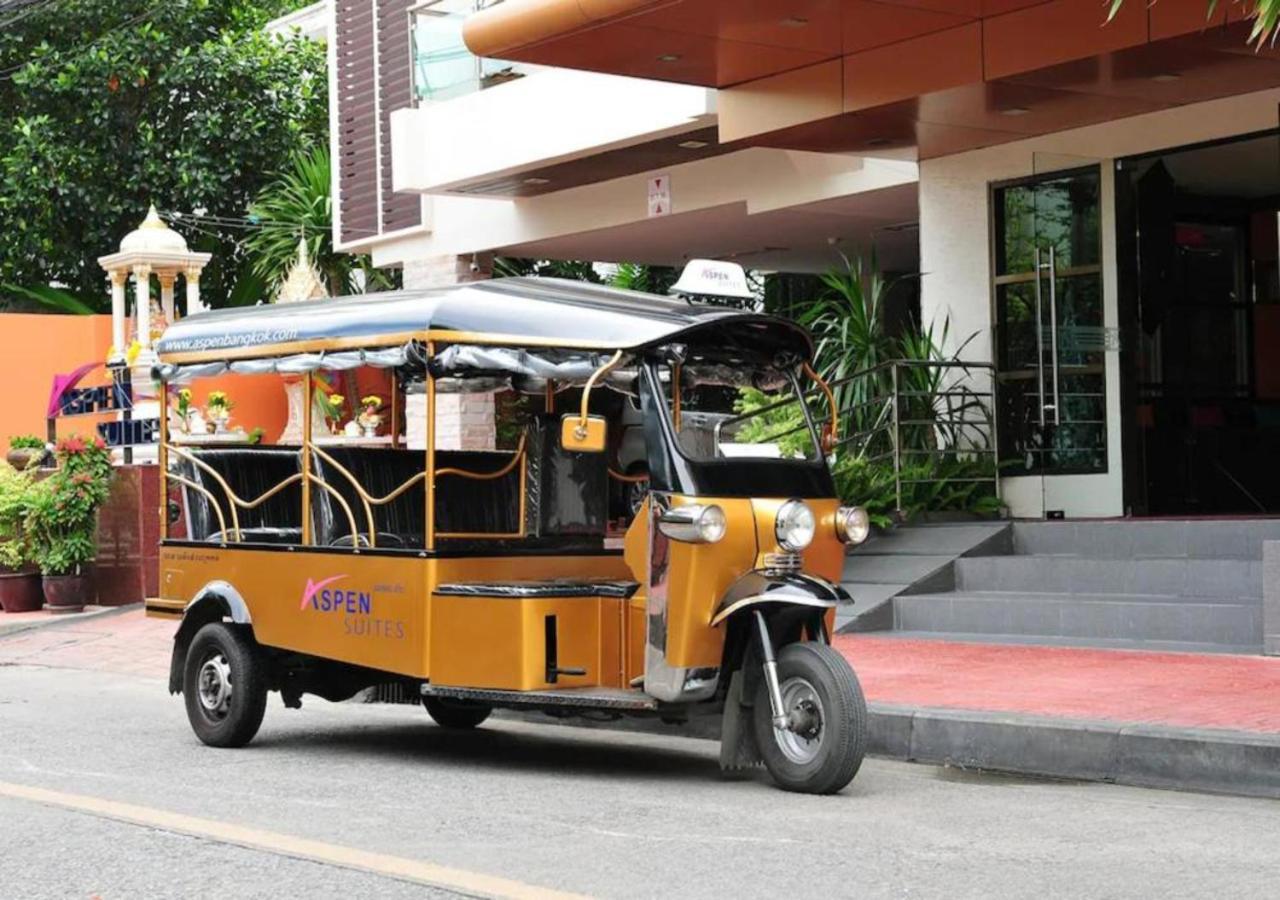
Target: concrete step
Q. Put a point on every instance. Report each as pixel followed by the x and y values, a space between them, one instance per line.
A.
pixel 892 568
pixel 935 540
pixel 1147 538
pixel 1088 616
pixel 1228 579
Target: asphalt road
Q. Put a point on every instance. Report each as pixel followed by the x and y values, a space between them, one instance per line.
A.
pixel 349 800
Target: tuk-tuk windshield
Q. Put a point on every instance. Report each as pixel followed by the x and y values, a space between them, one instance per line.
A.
pixel 739 414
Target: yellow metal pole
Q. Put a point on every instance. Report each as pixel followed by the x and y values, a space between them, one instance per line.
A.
pixel 162 460
pixel 307 403
pixel 395 410
pixel 431 451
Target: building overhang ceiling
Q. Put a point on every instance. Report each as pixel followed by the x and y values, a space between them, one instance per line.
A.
pixel 931 77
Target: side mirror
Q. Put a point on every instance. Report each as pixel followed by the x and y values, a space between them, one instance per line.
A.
pixel 583 435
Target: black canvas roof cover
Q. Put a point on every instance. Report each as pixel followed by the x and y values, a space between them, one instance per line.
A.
pixel 544 311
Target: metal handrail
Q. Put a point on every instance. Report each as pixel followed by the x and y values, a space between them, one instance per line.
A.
pixel 900 421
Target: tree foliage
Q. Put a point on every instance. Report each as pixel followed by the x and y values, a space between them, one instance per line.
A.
pixel 298 205
pixel 1265 15
pixel 109 105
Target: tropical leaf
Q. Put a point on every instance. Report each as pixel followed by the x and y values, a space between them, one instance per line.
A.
pixel 60 300
pixel 298 205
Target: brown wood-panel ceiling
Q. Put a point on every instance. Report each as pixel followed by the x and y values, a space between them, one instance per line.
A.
pixel 940 76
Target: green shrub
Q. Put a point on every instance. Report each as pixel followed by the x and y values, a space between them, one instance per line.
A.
pixel 936 483
pixel 62 516
pixel 16 493
pixel 25 442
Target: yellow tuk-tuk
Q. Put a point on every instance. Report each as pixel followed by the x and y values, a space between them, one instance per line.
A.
pixel 538 572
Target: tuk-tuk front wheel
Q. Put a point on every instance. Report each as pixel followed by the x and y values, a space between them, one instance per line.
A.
pixel 825 740
pixel 457 714
pixel 224 686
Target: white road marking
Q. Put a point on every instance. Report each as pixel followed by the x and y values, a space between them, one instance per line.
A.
pixel 405 869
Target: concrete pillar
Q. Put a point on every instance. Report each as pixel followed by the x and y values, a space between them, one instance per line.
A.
pixel 142 304
pixel 1271 598
pixel 118 343
pixel 463 421
pixel 194 303
pixel 166 295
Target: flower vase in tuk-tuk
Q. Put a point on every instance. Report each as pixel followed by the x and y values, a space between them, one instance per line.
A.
pixel 696 577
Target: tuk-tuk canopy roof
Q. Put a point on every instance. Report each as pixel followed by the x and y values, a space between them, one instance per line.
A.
pixel 526 311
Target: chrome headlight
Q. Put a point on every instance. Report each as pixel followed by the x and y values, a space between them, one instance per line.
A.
pixel 693 524
pixel 853 524
pixel 795 525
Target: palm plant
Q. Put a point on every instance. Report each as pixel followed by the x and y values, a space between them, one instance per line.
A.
pixel 299 204
pixel 847 320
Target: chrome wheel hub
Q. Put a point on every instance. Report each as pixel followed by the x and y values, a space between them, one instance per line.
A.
pixel 801 739
pixel 214 686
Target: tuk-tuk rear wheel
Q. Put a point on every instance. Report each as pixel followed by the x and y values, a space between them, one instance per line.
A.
pixel 458 714
pixel 823 747
pixel 224 685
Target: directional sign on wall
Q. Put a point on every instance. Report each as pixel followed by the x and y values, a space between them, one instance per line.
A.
pixel 659 195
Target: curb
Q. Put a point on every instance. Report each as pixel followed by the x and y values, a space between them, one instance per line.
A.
pixel 1140 755
pixel 54 621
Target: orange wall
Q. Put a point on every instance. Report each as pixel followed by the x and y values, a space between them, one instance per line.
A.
pixel 34 348
pixel 259 401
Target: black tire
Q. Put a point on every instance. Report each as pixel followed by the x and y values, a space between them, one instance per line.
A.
pixel 235 720
pixel 809 671
pixel 459 714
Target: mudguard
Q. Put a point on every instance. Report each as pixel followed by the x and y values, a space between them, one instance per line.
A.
pixel 782 588
pixel 214 602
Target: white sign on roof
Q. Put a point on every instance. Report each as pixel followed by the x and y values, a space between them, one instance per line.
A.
pixel 713 278
pixel 659 195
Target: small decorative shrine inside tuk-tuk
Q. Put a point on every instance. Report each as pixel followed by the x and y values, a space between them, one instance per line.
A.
pixel 640 543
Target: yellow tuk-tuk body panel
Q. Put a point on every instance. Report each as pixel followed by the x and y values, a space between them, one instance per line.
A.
pixel 355 608
pixel 501 642
pixel 374 610
pixel 699 575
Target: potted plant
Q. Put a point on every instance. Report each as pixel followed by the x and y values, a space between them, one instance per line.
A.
pixel 62 521
pixel 25 450
pixel 20 589
pixel 369 419
pixel 218 410
pixel 333 406
pixel 184 409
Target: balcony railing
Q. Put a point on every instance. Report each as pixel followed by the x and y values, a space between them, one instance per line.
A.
pixel 443 67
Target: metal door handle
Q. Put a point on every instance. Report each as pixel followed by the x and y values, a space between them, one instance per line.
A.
pixel 1039 340
pixel 1053 331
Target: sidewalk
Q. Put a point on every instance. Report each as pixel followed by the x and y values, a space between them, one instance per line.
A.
pixel 1177 720
pixel 122 641
pixel 12 623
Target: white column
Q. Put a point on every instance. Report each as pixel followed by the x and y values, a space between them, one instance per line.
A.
pixel 166 295
pixel 142 304
pixel 118 278
pixel 193 292
pixel 463 421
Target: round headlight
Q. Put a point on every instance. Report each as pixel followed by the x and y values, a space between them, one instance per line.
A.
pixel 711 524
pixel 694 523
pixel 795 525
pixel 853 525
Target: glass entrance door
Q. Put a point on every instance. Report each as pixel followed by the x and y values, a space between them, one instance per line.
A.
pixel 1050 339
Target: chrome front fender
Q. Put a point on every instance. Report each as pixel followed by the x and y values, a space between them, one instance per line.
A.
pixel 784 588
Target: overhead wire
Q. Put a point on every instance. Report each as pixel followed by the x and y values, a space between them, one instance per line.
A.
pixel 7 74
